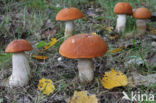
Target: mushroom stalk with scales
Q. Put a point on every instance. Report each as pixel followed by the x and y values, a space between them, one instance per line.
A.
pixel 69 27
pixel 141 25
pixel 21 69
pixel 84 47
pixel 86 69
pixel 122 9
pixel 121 22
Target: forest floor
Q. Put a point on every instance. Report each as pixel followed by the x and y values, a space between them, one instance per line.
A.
pixel 34 20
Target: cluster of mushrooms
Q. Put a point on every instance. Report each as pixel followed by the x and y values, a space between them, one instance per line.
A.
pixel 123 9
pixel 82 47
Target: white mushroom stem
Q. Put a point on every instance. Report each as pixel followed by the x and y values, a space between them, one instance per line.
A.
pixel 85 67
pixel 141 25
pixel 69 27
pixel 21 70
pixel 121 23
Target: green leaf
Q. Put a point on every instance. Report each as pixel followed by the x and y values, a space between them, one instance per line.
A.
pixel 41 44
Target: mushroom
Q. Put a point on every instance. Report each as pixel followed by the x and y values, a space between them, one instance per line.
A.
pixel 84 47
pixel 21 69
pixel 141 14
pixel 68 15
pixel 122 9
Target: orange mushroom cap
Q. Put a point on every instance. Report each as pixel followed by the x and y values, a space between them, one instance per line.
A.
pixel 142 13
pixel 18 46
pixel 83 46
pixel 123 8
pixel 69 14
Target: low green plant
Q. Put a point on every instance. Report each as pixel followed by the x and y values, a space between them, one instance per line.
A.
pixel 5 59
pixel 37 4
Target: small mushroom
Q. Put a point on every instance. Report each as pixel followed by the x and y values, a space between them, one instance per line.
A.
pixel 84 47
pixel 141 14
pixel 68 15
pixel 21 69
pixel 122 9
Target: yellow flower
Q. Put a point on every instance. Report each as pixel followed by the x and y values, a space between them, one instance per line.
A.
pixel 46 86
pixel 82 97
pixel 114 79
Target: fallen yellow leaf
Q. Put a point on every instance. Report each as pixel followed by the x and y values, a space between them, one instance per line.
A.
pixel 109 28
pixel 40 57
pixel 50 44
pixel 93 33
pixel 82 97
pixel 116 50
pixel 113 79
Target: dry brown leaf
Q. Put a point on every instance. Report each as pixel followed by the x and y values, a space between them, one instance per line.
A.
pixel 152 30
